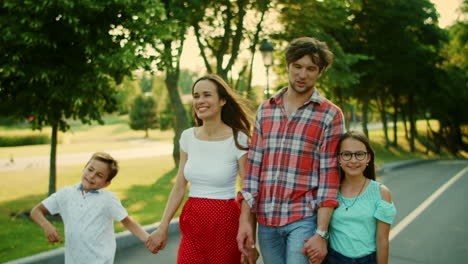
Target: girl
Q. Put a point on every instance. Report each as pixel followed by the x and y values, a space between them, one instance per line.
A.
pixel 212 154
pixel 360 226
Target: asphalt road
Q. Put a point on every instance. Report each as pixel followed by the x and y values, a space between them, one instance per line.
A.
pixel 430 226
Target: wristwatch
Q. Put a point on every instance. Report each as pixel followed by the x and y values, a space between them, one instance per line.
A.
pixel 322 233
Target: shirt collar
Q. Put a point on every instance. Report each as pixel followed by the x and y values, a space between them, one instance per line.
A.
pixel 316 97
pixel 80 188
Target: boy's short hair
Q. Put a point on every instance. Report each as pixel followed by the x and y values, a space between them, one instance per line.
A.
pixel 317 50
pixel 109 160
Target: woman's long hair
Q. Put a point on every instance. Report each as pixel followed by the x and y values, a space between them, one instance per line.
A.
pixel 369 172
pixel 234 113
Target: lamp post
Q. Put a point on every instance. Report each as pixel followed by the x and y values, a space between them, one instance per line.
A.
pixel 267 54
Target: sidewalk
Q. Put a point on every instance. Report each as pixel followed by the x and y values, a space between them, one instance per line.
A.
pixel 149 149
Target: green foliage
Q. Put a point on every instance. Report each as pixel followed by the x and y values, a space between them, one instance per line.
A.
pixel 220 28
pixel 331 23
pixel 126 92
pixel 9 141
pixel 59 58
pixel 143 114
pixel 146 83
pixel 186 79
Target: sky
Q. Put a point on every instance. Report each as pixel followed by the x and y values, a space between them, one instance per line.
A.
pixel 193 61
pixel 447 11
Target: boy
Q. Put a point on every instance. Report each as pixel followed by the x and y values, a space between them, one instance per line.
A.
pixel 88 212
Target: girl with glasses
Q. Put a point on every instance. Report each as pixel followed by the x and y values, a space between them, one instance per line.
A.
pixel 360 226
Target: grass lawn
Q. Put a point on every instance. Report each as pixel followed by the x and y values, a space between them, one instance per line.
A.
pixel 143 185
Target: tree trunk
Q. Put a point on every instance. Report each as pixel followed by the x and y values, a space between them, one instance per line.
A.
pixel 181 122
pixel 412 121
pixel 146 133
pixel 405 125
pixel 253 48
pixel 53 156
pixel 395 120
pixel 365 113
pixel 383 117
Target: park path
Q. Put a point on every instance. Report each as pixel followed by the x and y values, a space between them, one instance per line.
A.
pixel 145 150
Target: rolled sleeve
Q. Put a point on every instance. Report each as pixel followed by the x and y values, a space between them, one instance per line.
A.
pixel 253 168
pixel 329 175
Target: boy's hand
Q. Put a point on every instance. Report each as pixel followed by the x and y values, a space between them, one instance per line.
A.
pixel 51 233
pixel 156 241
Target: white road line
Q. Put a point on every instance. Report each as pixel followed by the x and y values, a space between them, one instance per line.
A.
pixel 409 218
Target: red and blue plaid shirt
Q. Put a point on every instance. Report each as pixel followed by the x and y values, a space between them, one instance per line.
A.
pixel 292 164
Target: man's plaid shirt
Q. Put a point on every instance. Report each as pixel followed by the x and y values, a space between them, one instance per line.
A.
pixel 292 163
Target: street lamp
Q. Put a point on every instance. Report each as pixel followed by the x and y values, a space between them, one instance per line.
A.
pixel 267 54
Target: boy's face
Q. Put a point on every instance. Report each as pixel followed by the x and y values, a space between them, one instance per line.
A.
pixel 95 175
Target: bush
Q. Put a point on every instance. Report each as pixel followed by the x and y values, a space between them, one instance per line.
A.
pixel 13 141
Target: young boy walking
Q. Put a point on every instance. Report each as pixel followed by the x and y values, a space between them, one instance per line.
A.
pixel 88 213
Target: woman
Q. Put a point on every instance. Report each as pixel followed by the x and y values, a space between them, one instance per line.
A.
pixel 360 226
pixel 212 154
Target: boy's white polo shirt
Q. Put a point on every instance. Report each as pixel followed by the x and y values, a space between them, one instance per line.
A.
pixel 88 220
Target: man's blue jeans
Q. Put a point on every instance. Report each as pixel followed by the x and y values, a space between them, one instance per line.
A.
pixel 283 245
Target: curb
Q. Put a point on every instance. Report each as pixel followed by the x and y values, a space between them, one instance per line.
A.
pixel 391 166
pixel 124 239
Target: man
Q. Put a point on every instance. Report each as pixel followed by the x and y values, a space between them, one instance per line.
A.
pixel 291 179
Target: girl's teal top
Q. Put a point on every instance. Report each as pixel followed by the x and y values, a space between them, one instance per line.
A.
pixel 353 231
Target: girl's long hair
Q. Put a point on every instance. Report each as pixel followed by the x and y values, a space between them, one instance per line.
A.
pixel 234 113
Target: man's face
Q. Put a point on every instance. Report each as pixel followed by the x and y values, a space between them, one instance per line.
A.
pixel 303 74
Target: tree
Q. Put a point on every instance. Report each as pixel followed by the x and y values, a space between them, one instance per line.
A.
pixel 143 114
pixel 220 29
pixel 60 58
pixel 177 18
pixel 329 21
pixel 126 92
pixel 452 93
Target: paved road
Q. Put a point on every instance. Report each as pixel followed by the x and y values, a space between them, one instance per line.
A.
pixel 437 235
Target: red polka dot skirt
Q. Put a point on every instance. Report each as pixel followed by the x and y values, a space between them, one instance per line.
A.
pixel 209 230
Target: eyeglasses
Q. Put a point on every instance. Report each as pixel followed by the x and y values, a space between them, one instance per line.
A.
pixel 347 156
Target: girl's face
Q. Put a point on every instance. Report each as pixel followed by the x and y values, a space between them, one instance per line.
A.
pixel 206 101
pixel 353 157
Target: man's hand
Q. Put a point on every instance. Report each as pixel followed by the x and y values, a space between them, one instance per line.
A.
pixel 156 241
pixel 315 248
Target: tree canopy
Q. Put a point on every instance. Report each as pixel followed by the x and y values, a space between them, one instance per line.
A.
pixel 60 59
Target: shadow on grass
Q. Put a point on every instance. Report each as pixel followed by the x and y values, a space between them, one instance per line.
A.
pixel 385 154
pixel 147 202
pixel 20 235
pixel 20 208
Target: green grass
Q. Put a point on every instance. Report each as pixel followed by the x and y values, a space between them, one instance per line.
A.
pixel 143 185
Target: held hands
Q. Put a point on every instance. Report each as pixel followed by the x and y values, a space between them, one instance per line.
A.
pixel 246 243
pixel 156 241
pixel 315 248
pixel 252 256
pixel 51 233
